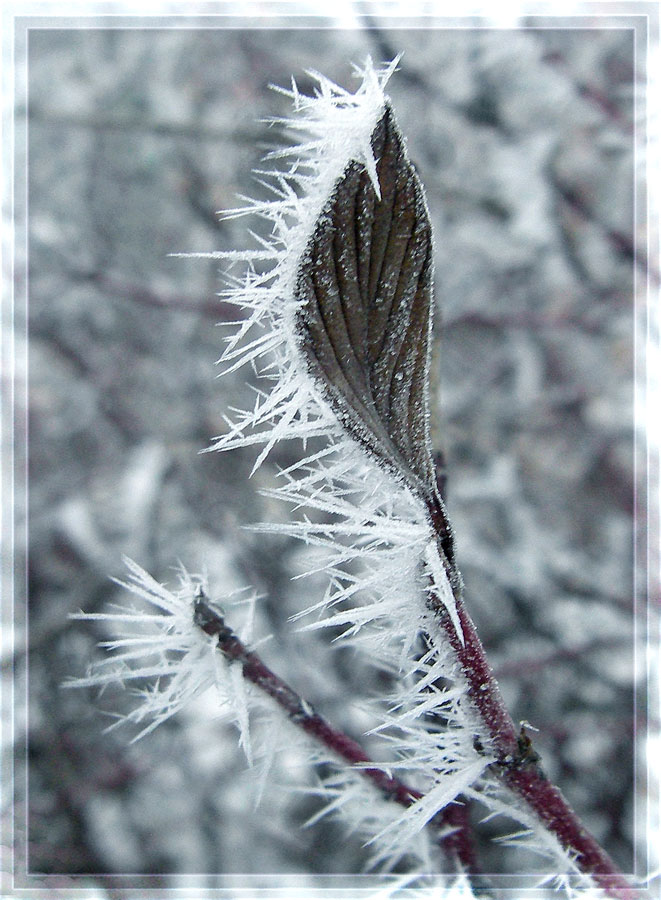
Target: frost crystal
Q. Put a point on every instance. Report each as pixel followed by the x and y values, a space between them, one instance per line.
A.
pixel 162 643
pixel 373 479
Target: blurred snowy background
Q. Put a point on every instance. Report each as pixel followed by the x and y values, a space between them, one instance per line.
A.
pixel 524 141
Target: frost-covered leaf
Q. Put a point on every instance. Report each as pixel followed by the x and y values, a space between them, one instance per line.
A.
pixel 365 289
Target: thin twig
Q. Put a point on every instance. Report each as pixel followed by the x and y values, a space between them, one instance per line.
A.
pixel 456 843
pixel 517 762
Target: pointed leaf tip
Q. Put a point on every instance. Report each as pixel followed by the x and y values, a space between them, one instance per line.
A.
pixel 365 292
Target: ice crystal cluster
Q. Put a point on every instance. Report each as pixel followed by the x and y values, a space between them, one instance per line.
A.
pixel 380 549
pixel 362 485
pixel 159 643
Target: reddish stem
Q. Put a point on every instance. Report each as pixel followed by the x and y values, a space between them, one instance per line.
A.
pixel 552 808
pixel 301 713
pixel 460 841
pixel 517 762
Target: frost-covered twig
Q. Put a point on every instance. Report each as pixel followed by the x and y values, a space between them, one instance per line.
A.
pixel 337 307
pixel 454 829
pixel 518 765
pixel 340 323
pixel 182 640
pixel 295 707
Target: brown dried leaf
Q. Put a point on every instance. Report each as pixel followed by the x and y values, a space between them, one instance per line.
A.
pixel 365 284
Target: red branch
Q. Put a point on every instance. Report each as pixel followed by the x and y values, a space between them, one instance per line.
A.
pixel 517 762
pixel 301 714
